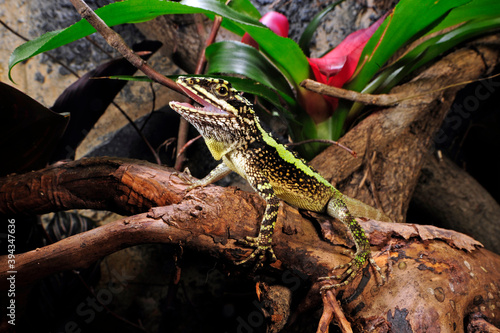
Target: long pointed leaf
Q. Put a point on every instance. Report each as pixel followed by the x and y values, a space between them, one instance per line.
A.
pixel 408 21
pixel 431 48
pixel 284 52
pixel 239 58
pixel 28 131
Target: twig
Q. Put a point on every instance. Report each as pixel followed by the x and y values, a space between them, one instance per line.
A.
pixel 153 105
pixel 115 41
pixel 99 47
pixel 323 89
pixel 380 99
pixel 189 143
pixel 184 125
pixel 331 310
pixel 153 151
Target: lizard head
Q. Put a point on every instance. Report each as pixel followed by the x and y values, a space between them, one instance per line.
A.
pixel 224 116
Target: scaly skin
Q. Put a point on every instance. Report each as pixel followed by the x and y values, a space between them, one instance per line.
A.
pixel 233 133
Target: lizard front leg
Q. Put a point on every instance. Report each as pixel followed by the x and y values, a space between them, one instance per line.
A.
pixel 338 209
pixel 219 172
pixel 263 242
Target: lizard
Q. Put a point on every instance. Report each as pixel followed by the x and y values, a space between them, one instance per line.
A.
pixel 233 133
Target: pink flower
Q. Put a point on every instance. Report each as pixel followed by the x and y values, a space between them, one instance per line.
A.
pixel 333 69
pixel 275 21
pixel 338 66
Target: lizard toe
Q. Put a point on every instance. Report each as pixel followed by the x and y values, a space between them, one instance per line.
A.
pixel 259 253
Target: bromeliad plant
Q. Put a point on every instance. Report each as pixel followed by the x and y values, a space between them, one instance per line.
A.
pixel 275 69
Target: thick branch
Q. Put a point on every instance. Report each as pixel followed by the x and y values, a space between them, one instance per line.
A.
pixel 121 185
pixel 205 220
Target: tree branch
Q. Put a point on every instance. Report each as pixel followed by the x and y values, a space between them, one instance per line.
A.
pixel 115 41
pixel 464 205
pixel 205 220
pixel 350 95
pixel 121 185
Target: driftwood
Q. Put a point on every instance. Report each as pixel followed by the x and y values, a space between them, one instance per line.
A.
pixel 435 277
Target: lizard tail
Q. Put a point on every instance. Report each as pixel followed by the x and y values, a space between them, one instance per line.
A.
pixel 360 209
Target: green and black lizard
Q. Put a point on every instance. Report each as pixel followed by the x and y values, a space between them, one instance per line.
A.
pixel 232 132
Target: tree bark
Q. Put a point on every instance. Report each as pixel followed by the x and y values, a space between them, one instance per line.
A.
pixel 114 184
pixel 447 267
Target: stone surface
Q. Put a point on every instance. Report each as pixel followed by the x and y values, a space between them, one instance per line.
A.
pixel 44 79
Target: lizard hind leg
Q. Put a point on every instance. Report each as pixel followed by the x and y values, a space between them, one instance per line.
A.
pixel 352 270
pixel 263 242
pixel 338 209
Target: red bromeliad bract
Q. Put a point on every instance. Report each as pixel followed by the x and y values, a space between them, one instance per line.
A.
pixel 337 66
pixel 275 21
pixel 333 69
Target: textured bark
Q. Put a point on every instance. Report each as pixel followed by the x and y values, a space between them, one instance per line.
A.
pixel 394 141
pixel 119 185
pixel 436 277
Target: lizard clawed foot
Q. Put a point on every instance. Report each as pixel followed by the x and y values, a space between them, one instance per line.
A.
pixel 262 248
pixel 353 268
pixel 188 179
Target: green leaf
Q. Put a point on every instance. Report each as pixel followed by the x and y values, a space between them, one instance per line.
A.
pixel 476 18
pixel 396 31
pixel 245 7
pixel 474 10
pixel 238 58
pixel 428 50
pixel 293 61
pixel 307 34
pixel 136 78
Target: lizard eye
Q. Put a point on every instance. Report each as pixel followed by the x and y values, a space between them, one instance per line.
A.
pixel 222 90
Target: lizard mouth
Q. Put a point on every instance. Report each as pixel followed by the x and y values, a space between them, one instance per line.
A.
pixel 206 106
